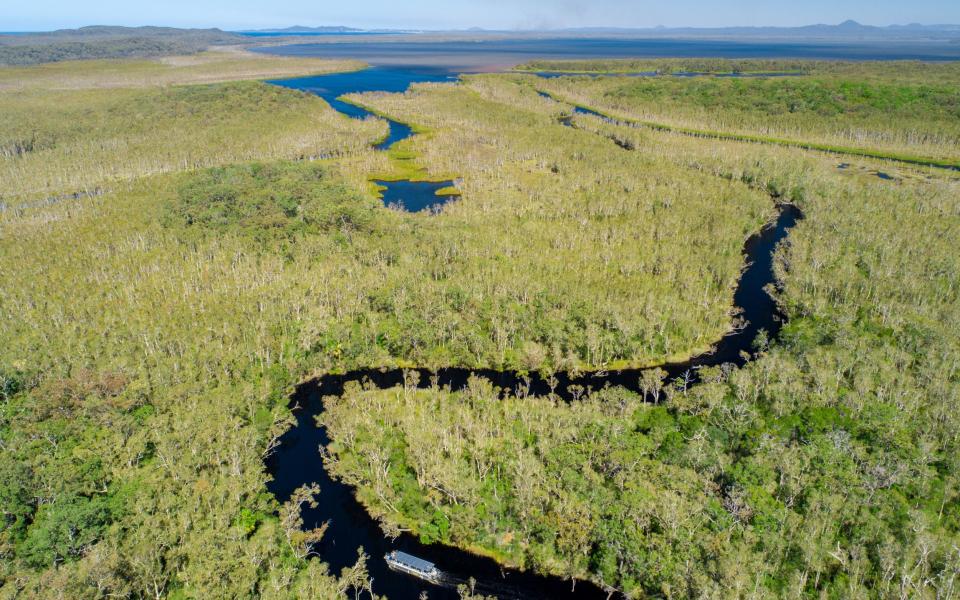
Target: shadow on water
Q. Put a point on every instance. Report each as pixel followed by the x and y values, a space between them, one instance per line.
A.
pixel 297 459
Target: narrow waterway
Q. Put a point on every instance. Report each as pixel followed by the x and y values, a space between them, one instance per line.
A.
pixel 375 79
pixel 413 196
pixel 297 460
pixel 865 153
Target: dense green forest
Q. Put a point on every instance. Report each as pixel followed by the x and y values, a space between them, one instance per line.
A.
pixel 146 345
pixel 233 245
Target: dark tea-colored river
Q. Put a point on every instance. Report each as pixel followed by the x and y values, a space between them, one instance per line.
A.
pixel 297 460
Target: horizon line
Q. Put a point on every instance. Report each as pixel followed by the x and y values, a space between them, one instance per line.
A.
pixel 475 29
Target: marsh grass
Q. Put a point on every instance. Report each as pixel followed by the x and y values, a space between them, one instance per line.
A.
pixel 151 335
pixel 847 418
pixel 881 118
pixel 62 142
pixel 212 66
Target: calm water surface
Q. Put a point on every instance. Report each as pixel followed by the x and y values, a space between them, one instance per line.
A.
pixel 413 196
pixel 500 54
pixel 376 79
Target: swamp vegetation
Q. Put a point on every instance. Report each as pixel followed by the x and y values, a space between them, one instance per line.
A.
pixel 232 245
pixel 878 111
pixel 112 121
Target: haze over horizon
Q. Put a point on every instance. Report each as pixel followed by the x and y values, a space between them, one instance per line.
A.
pixel 45 15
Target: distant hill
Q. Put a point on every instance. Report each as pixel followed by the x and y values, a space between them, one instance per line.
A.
pixel 302 29
pixel 845 30
pixel 116 32
pixel 102 41
pixel 331 31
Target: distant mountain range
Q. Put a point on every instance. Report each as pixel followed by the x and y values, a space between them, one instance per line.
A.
pixel 116 31
pixel 302 29
pixel 847 29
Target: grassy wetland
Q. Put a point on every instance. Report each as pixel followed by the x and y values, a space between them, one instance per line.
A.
pixel 827 466
pixel 113 121
pixel 877 112
pixel 152 333
pixel 807 465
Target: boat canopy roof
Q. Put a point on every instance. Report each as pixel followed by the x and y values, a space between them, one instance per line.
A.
pixel 412 561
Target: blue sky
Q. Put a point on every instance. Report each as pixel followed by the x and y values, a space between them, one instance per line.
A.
pixel 434 14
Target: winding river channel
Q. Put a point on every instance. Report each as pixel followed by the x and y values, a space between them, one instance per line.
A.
pixel 413 196
pixel 297 459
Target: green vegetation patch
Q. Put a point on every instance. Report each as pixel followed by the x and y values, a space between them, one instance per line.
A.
pixel 265 199
pixel 879 115
pixel 670 65
pixel 905 71
pixel 804 96
pixel 58 495
pixel 134 47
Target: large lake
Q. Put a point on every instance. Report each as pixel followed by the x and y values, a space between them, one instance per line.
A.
pixel 498 54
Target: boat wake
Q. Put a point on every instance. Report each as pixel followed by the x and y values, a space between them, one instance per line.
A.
pixel 484 587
